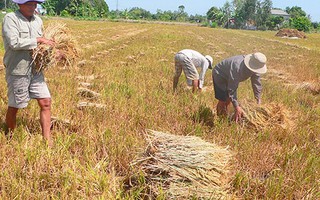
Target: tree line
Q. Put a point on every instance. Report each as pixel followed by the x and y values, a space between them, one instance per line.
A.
pixel 237 14
pixel 72 8
pixel 257 14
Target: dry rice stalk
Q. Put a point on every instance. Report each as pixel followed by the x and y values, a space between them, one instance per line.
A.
pixel 313 87
pixel 86 78
pixel 62 124
pixel 85 84
pixel 82 105
pixel 87 93
pixel 261 117
pixel 64 53
pixel 185 166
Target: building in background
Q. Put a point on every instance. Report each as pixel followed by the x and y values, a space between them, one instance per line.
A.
pixel 281 13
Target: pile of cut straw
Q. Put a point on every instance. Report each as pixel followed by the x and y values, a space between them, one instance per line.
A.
pixel 261 117
pixel 63 53
pixel 185 166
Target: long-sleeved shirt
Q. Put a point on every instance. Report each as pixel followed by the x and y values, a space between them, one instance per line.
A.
pixel 230 72
pixel 199 61
pixel 19 38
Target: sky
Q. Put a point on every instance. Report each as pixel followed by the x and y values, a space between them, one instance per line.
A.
pixel 192 7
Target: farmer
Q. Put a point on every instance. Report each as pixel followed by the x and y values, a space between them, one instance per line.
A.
pixel 230 72
pixel 22 32
pixel 188 60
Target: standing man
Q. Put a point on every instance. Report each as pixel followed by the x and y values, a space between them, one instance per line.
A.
pixel 189 60
pixel 230 72
pixel 22 32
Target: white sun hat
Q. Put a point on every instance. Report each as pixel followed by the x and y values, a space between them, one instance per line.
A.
pixel 25 1
pixel 256 62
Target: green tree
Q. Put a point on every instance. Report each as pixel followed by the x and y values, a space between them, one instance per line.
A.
pixel 125 14
pixel 197 18
pixel 315 25
pixel 167 16
pixel 295 12
pixel 301 23
pixel 237 9
pixel 8 4
pixel 181 9
pixel 226 11
pixel 215 15
pixel 54 7
pixel 139 13
pixel 249 10
pixel 212 13
pixel 79 8
pixel 163 15
pixel 73 8
pixel 299 19
pixel 50 7
pixel 274 21
pixel 263 13
pixel 101 7
pixel 181 15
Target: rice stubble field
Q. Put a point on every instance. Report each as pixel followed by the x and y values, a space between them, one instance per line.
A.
pixel 130 66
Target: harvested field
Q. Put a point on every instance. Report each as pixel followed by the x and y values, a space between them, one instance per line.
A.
pixel 130 66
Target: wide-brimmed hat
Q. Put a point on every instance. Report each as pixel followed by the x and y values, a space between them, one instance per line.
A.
pixel 25 1
pixel 256 62
pixel 210 59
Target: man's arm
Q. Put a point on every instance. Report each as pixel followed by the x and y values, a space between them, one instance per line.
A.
pixel 257 87
pixel 202 75
pixel 238 114
pixel 175 83
pixel 195 85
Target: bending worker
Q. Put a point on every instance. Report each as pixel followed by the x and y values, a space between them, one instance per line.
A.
pixel 189 60
pixel 230 72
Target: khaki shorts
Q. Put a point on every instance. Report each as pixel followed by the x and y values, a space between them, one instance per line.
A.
pixel 182 62
pixel 23 88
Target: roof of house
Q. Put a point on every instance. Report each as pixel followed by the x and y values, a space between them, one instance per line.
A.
pixel 279 12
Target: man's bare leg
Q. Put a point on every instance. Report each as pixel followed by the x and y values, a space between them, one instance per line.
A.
pixel 45 119
pixel 11 120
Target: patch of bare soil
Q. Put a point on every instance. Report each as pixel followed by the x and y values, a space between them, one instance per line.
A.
pixel 291 33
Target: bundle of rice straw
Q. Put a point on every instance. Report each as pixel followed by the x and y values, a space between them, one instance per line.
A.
pixel 64 53
pixel 261 117
pixel 185 166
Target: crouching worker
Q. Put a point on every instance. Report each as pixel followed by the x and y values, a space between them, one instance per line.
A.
pixel 230 72
pixel 189 60
pixel 22 32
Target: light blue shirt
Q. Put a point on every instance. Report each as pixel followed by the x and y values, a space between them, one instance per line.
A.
pixel 19 38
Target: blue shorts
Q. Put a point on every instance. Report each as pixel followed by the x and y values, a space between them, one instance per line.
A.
pixel 22 88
